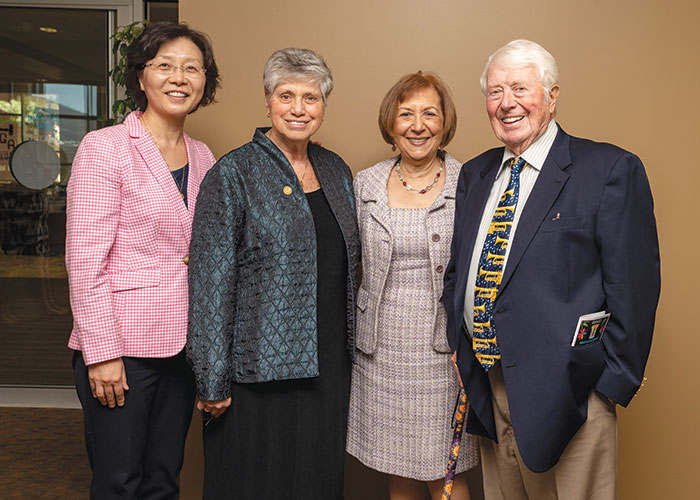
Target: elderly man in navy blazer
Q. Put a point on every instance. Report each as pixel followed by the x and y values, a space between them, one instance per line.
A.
pixel 549 228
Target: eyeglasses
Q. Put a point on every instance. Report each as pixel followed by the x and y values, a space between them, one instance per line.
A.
pixel 191 70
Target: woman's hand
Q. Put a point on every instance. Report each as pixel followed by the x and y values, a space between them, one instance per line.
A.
pixel 108 382
pixel 216 407
pixel 453 359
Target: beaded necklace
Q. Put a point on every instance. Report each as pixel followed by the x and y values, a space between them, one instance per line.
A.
pixel 397 168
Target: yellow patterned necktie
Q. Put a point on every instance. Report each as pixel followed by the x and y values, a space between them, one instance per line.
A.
pixel 490 270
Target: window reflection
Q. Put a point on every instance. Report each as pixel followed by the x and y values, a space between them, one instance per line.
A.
pixel 54 89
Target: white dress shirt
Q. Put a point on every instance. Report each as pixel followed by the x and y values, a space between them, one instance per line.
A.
pixel 535 156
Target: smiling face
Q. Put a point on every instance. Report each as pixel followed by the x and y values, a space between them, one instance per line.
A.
pixel 296 111
pixel 518 107
pixel 418 127
pixel 175 94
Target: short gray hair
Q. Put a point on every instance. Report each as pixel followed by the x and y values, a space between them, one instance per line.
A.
pixel 297 64
pixel 524 53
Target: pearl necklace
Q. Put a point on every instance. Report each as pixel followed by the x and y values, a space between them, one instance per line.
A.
pixel 408 187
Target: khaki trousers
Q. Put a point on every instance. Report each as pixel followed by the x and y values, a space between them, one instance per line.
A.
pixel 587 470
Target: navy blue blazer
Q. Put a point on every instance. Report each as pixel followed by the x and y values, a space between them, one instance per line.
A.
pixel 586 241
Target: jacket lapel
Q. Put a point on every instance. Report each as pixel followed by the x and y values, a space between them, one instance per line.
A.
pixel 549 184
pixel 478 190
pixel 451 173
pixel 193 180
pixel 477 195
pixel 154 161
pixel 374 192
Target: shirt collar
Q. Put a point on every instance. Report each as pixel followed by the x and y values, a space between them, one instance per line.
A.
pixel 537 153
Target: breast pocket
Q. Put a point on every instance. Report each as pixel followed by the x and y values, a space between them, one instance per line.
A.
pixel 558 223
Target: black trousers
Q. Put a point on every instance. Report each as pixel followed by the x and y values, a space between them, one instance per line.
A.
pixel 136 451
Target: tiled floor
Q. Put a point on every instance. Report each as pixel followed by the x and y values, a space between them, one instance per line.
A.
pixel 42 454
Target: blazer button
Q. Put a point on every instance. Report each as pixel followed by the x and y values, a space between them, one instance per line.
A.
pixel 439 269
pixel 186 260
pixel 436 237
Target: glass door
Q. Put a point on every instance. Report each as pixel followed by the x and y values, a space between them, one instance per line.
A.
pixel 54 88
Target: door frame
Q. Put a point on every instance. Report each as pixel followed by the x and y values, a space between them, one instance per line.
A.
pixel 121 13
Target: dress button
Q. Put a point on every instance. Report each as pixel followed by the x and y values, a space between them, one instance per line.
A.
pixel 287 190
pixel 436 237
pixel 439 269
pixel 186 260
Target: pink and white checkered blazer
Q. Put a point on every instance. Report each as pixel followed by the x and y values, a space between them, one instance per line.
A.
pixel 127 234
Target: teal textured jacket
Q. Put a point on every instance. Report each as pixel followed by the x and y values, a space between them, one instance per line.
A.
pixel 253 267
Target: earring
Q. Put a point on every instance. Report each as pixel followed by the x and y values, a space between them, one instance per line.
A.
pixel 393 147
pixel 268 114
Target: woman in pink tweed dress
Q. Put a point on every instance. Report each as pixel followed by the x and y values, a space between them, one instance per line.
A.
pixel 403 385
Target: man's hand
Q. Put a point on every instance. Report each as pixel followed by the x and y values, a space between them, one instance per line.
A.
pixel 453 359
pixel 216 408
pixel 108 382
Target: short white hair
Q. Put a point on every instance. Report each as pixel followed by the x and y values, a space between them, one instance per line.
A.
pixel 520 53
pixel 297 64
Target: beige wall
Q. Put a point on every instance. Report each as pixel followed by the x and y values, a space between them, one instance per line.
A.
pixel 629 75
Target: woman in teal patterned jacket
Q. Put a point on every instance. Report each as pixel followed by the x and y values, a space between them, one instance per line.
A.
pixel 273 275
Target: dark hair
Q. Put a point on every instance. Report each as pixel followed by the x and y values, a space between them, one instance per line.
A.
pixel 406 87
pixel 147 45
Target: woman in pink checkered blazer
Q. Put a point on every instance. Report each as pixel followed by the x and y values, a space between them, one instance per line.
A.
pixel 131 199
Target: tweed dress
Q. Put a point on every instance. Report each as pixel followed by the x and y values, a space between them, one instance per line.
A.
pixel 403 395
